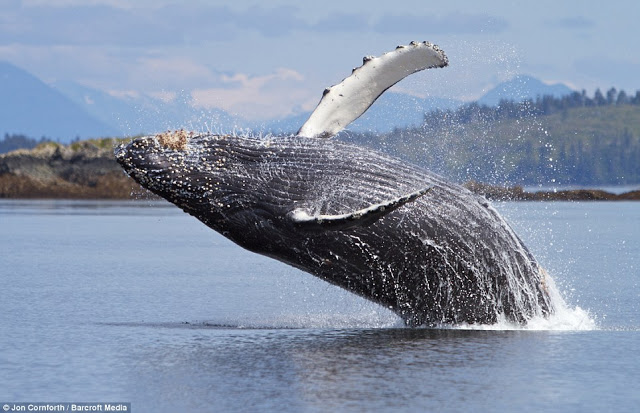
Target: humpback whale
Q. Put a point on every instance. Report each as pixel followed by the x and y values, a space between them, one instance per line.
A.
pixel 389 231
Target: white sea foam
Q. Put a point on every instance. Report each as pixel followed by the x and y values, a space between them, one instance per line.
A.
pixel 565 318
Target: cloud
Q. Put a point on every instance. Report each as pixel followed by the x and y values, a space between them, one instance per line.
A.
pixel 10 5
pixel 172 72
pixel 164 96
pixel 342 22
pixel 243 80
pixel 123 4
pixel 256 97
pixel 106 24
pixel 177 24
pixel 84 25
pixel 453 23
pixel 609 72
pixel 278 21
pixel 129 94
pixel 55 63
pixel 575 22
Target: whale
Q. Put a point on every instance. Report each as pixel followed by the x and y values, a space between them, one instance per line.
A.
pixel 382 228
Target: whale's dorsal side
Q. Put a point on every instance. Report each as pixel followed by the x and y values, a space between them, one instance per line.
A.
pixel 343 103
pixel 361 217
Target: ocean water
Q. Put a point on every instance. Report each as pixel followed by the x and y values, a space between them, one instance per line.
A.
pixel 138 302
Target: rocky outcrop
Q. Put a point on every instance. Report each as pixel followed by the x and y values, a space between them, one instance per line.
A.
pixel 88 170
pixel 517 193
pixel 82 170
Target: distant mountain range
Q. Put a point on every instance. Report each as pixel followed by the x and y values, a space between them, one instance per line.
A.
pixel 520 88
pixel 68 110
pixel 33 108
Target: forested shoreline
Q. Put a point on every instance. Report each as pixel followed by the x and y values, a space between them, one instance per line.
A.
pixel 570 140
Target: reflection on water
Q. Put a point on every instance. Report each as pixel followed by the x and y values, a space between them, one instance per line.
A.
pixel 375 369
pixel 323 369
pixel 80 207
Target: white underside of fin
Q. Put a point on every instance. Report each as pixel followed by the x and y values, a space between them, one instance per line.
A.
pixel 343 103
pixel 357 218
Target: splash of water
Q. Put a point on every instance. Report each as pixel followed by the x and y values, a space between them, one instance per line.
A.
pixel 366 315
pixel 565 318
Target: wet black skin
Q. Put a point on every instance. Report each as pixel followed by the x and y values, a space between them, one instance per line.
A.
pixel 446 257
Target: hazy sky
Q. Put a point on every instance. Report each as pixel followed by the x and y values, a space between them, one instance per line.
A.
pixel 273 58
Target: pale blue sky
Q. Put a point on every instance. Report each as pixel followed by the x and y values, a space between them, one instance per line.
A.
pixel 264 59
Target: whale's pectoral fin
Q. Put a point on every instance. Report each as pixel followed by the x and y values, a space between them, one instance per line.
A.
pixel 360 218
pixel 343 103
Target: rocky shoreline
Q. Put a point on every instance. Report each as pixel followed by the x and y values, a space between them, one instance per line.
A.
pixel 81 170
pixel 88 170
pixel 517 193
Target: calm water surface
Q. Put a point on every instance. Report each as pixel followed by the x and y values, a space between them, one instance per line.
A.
pixel 138 302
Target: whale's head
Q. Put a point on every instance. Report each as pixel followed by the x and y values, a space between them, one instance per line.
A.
pixel 219 179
